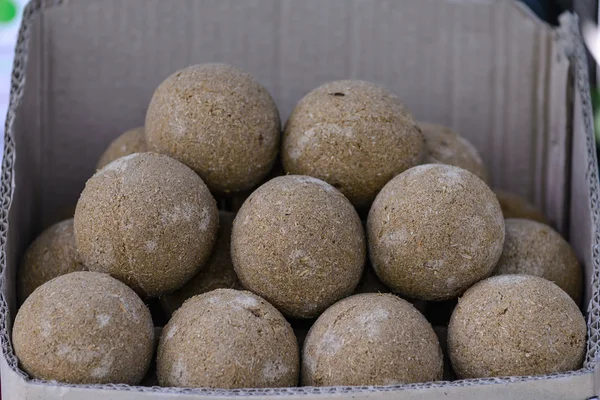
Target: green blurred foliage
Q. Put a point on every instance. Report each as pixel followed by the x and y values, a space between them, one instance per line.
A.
pixel 8 11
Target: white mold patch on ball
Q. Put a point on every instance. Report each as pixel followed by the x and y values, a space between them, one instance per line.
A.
pixel 76 355
pixel 119 165
pixel 315 181
pixel 397 237
pixel 304 141
pixel 103 320
pixel 150 246
pixel 171 332
pixel 330 344
pixel 371 321
pixel 245 300
pixel 205 219
pixel 105 367
pixel 179 371
pixel 510 280
pixel 178 214
pixel 45 328
pixel 274 370
pixel 61 227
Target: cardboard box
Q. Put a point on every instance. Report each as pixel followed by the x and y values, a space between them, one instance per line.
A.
pixel 518 89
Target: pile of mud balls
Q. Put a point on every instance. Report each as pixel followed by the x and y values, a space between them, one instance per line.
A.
pixel 246 241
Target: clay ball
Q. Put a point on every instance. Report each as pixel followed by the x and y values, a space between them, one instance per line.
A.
pixel 354 135
pixel 147 220
pixel 298 243
pixel 532 248
pixel 219 121
pixel 444 146
pixel 227 339
pixel 515 206
pixel 515 325
pixel 218 273
pixel 433 231
pixel 84 327
pixel 131 141
pixel 53 253
pixel 371 339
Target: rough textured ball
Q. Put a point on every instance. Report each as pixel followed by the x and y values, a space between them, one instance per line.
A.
pixel 515 206
pixel 354 135
pixel 228 339
pixel 515 325
pixel 219 121
pixel 433 231
pixel 444 146
pixel 53 253
pixel 84 327
pixel 131 141
pixel 218 273
pixel 532 248
pixel 147 220
pixel 298 243
pixel 371 339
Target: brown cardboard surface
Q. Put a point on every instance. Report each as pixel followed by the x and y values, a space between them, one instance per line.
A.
pixel 487 68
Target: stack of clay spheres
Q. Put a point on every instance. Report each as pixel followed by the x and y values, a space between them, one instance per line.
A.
pixel 357 173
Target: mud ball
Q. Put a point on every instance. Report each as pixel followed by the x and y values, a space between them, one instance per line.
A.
pixel 219 121
pixel 131 141
pixel 53 253
pixel 532 248
pixel 84 327
pixel 354 135
pixel 444 146
pixel 371 339
pixel 147 220
pixel 433 231
pixel 515 206
pixel 218 273
pixel 515 325
pixel 228 339
pixel 298 243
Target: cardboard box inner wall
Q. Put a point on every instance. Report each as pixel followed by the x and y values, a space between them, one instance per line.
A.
pixel 85 72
